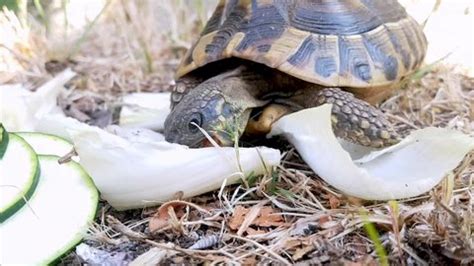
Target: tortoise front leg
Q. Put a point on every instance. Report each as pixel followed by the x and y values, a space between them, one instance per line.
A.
pixel 352 119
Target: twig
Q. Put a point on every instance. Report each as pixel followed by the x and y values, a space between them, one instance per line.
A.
pixel 270 252
pixel 250 217
pixel 189 252
pixel 68 156
pixel 119 226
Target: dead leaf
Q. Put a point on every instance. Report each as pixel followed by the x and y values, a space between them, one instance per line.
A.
pixel 162 216
pixel 250 217
pixel 238 218
pixel 293 242
pixel 268 217
pixel 300 252
pixel 324 219
pixel 334 202
pixel 250 261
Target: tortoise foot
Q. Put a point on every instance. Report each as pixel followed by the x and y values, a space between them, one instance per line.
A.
pixel 357 121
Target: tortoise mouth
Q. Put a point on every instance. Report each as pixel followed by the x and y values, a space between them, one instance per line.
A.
pixel 221 138
pixel 206 143
pixel 217 138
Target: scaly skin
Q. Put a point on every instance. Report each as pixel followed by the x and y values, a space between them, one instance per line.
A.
pixel 353 119
pixel 222 105
pixel 182 87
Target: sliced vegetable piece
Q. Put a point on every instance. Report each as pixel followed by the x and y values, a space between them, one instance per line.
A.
pixel 46 144
pixel 145 110
pixel 56 218
pixel 3 140
pixel 407 169
pixel 140 172
pixel 21 109
pixel 20 171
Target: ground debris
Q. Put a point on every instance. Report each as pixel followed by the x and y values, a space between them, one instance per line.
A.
pixel 264 216
pixel 87 107
pixel 94 256
pixel 447 232
pixel 154 256
pixel 205 242
pixel 170 213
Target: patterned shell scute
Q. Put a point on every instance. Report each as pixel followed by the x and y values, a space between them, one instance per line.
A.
pixel 346 43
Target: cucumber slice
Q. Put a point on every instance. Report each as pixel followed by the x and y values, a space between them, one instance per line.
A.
pixel 46 144
pixel 3 140
pixel 56 218
pixel 20 171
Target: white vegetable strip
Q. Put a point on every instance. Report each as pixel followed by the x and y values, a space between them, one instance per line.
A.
pixel 20 109
pixel 138 172
pixel 148 110
pixel 407 169
pixel 58 125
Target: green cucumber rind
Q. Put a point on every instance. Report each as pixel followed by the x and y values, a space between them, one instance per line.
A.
pixel 35 135
pixel 3 140
pixel 26 133
pixel 20 201
pixel 94 194
pixel 10 211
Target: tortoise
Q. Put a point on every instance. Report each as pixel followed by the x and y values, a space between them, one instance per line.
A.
pixel 257 60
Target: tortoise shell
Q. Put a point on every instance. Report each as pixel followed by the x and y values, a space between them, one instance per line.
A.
pixel 340 43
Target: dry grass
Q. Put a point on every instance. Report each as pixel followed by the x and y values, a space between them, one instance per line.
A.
pixel 286 217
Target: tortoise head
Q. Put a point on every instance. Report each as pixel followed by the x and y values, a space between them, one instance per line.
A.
pixel 218 106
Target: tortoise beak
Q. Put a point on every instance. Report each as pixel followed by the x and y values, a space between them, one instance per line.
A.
pixel 222 139
pixel 216 137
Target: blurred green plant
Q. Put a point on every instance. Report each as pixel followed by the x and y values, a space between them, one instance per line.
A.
pixel 422 71
pixel 10 4
pixel 17 6
pixel 77 45
pixel 375 238
pixel 42 14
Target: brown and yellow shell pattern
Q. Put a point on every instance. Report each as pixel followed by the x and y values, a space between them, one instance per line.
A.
pixel 339 43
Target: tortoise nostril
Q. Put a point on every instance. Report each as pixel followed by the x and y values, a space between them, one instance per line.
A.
pixel 171 135
pixel 170 138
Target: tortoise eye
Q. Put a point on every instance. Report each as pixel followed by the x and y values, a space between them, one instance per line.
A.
pixel 195 122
